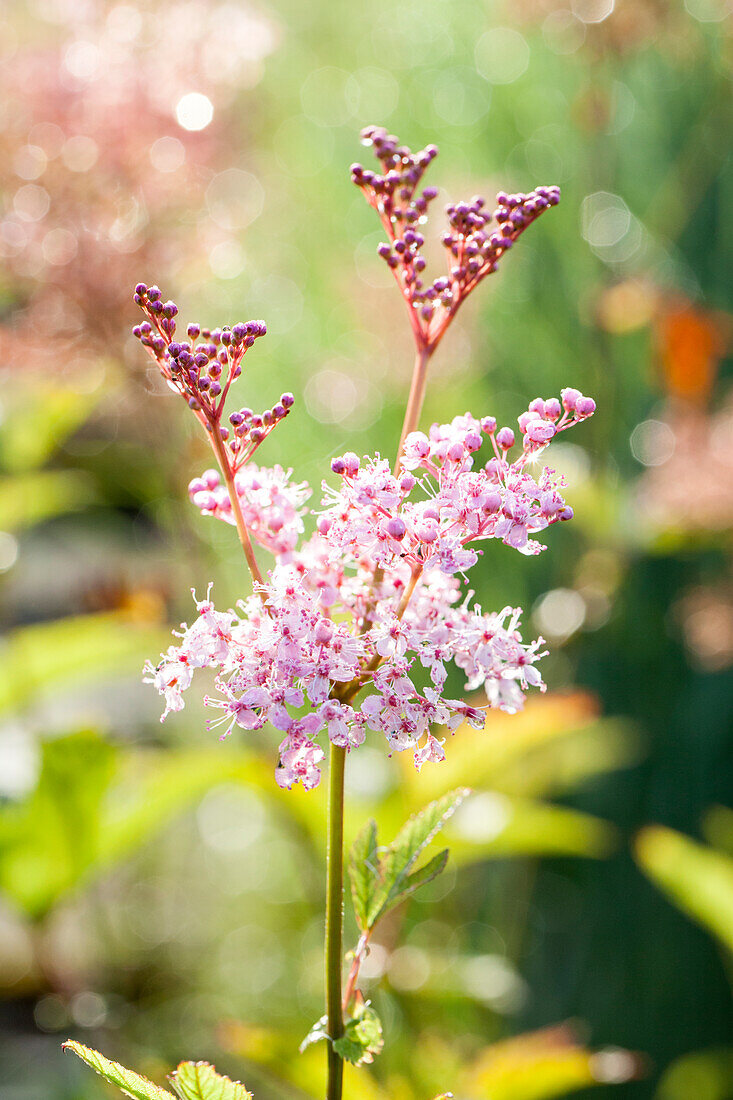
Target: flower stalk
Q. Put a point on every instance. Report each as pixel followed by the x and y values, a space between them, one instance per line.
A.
pixel 416 398
pixel 218 448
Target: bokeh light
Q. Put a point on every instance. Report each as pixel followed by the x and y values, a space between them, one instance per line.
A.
pixel 194 111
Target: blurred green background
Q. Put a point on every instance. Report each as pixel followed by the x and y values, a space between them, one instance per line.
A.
pixel 159 897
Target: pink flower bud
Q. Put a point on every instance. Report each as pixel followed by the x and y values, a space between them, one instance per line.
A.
pixel 323 632
pixel 473 441
pixel 407 483
pixel 351 463
pixel 210 478
pixel 456 452
pixel 553 409
pixel 540 431
pixel 525 419
pixel 488 424
pixel 538 406
pixel 397 528
pixel 569 397
pixel 204 500
pixel 427 531
pixel 417 445
pixel 505 438
pixel 585 406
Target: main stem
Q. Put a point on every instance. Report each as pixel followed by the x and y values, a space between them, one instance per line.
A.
pixel 337 761
pixel 335 916
pixel 416 398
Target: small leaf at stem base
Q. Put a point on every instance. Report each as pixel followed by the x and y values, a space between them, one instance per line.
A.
pixel 362 1038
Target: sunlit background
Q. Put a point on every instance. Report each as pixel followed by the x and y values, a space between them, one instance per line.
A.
pixel 160 898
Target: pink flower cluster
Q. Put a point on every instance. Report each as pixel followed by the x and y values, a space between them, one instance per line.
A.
pixel 370 606
pixel 373 512
pixel 272 506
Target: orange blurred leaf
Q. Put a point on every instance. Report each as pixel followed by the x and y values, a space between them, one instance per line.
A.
pixel 691 342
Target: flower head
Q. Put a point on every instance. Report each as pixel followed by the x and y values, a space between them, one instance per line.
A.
pixel 371 605
pixel 355 629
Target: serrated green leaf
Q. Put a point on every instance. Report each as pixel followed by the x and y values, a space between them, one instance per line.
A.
pixel 362 1039
pixel 317 1033
pixel 399 858
pixel 200 1081
pixel 131 1083
pixel 424 874
pixel 364 872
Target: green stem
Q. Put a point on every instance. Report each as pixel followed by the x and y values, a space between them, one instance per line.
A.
pixel 335 916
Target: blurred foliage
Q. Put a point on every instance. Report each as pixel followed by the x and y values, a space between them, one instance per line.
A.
pixel 698 879
pixel 539 1065
pixel 39 658
pixel 165 900
pixel 92 807
pixel 545 1064
pixel 706 1075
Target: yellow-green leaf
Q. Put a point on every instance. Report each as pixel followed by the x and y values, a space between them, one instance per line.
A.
pixel 200 1081
pixel 364 872
pixel 131 1083
pixel 697 878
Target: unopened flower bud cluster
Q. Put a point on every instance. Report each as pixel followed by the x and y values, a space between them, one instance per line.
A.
pixel 475 241
pixel 203 367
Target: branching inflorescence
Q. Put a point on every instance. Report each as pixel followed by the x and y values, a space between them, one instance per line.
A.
pixel 354 628
pixel 475 240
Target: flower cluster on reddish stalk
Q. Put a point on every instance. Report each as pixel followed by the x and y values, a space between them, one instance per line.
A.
pixel 354 628
pixel 475 240
pixel 201 369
